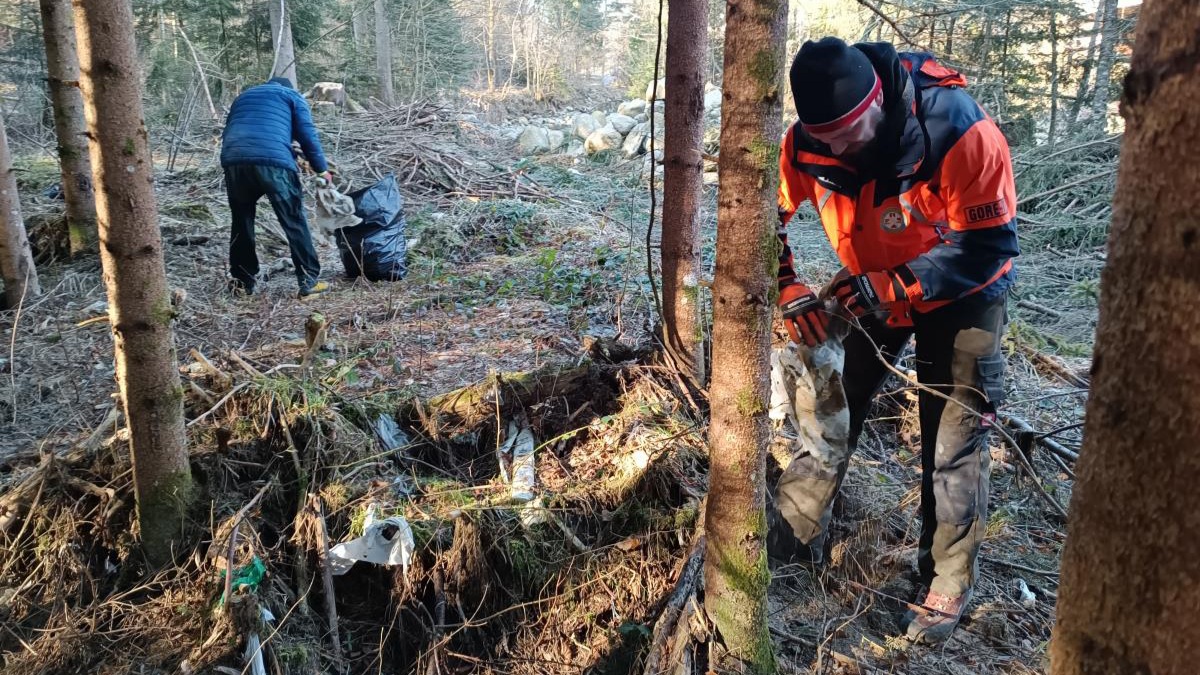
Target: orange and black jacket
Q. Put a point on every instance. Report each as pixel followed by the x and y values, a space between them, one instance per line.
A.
pixel 935 203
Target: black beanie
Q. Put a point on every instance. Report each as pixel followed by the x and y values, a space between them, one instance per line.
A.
pixel 829 79
pixel 282 81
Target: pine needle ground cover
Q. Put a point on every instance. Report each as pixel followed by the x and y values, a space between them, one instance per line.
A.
pixel 525 303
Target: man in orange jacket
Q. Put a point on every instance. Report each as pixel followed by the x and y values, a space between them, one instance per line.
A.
pixel 913 184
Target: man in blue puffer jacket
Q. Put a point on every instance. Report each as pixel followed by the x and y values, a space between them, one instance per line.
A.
pixel 256 153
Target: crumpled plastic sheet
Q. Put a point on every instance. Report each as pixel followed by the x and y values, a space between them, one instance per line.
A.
pixel 518 465
pixel 254 652
pixel 384 542
pixel 334 210
pixel 390 435
pixel 248 576
pixel 807 392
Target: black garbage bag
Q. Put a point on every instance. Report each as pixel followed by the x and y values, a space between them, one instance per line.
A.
pixel 375 248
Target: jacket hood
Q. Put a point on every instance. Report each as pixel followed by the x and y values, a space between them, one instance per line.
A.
pixel 902 139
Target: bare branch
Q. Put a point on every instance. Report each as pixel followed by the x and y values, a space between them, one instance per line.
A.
pixel 895 28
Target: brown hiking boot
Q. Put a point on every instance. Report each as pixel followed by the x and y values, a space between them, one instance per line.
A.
pixel 935 619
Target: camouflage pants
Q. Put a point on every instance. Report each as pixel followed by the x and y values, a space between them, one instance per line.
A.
pixel 958 355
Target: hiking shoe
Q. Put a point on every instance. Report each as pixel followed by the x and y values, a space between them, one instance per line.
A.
pixel 935 619
pixel 316 289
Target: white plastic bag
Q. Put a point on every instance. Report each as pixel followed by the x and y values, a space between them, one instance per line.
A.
pixel 334 210
pixel 806 390
pixel 518 466
pixel 384 542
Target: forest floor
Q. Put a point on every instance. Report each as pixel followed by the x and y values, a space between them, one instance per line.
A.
pixel 526 306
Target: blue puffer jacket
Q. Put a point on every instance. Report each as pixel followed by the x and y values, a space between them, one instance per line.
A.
pixel 263 121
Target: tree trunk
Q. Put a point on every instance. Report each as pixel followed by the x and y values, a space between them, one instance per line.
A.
pixel 1104 62
pixel 1051 134
pixel 1085 78
pixel 131 256
pixel 687 51
pixel 735 566
pixel 489 46
pixel 985 61
pixel 950 37
pixel 357 28
pixel 62 68
pixel 284 63
pixel 16 260
pixel 1004 48
pixel 1131 567
pixel 383 54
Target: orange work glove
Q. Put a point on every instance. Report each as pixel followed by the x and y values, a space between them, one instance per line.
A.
pixel 804 315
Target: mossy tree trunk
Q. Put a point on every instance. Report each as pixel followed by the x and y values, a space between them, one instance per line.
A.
pixel 383 54
pixel 284 64
pixel 735 566
pixel 687 54
pixel 16 259
pixel 62 69
pixel 131 256
pixel 1131 567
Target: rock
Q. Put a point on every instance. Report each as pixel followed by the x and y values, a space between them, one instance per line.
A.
pixel 632 108
pixel 635 141
pixel 601 118
pixel 658 92
pixel 638 140
pixel 324 109
pixel 622 123
pixel 712 99
pixel 584 125
pixel 534 141
pixel 574 148
pixel 605 138
pixel 333 92
pixel 556 139
pixel 641 117
pixel 656 157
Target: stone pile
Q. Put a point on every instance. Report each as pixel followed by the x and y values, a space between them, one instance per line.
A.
pixel 626 130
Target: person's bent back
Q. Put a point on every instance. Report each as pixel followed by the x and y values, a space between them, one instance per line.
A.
pixel 256 153
pixel 263 121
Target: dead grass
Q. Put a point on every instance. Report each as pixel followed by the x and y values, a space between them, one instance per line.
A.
pixel 500 282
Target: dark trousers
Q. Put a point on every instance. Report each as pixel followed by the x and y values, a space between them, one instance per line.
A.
pixel 958 355
pixel 244 185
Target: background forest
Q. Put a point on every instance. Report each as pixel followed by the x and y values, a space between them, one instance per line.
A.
pixel 527 138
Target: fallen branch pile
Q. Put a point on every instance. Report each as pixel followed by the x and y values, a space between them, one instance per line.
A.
pixel 433 154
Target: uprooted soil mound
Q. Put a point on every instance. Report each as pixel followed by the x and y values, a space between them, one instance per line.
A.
pixel 567 582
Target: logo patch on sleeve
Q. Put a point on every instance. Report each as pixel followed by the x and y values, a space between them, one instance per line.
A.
pixel 982 212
